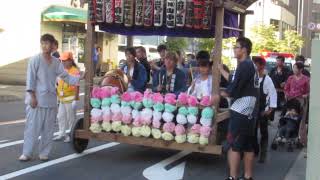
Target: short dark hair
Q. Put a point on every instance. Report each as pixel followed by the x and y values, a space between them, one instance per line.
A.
pixel 300 58
pixel 259 60
pixel 142 49
pixel 131 50
pixel 203 55
pixel 191 55
pixel 282 58
pixel 245 43
pixel 161 47
pixel 47 37
pixel 205 63
pixel 299 65
pixel 56 43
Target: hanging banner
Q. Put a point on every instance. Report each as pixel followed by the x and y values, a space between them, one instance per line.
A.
pixel 181 13
pixel 206 22
pixel 158 12
pixel 148 13
pixel 100 10
pixel 139 14
pixel 92 10
pixel 109 11
pixel 128 13
pixel 118 13
pixel 189 14
pixel 198 13
pixel 171 13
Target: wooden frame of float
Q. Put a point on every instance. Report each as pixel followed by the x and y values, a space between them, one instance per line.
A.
pixel 238 6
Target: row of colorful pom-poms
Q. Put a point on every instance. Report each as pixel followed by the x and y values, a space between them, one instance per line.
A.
pixel 152 115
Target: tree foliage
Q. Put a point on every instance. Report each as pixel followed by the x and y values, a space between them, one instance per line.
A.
pixel 176 43
pixel 291 43
pixel 264 38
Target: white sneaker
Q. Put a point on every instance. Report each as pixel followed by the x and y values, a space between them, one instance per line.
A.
pixel 284 140
pixel 278 139
pixel 67 139
pixel 24 158
pixel 58 138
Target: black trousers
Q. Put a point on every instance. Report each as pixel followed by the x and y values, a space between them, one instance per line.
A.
pixel 262 124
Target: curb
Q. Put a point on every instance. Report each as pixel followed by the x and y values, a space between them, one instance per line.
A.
pixel 9 98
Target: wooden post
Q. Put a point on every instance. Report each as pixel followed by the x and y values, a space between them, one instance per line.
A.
pixel 129 41
pixel 89 73
pixel 242 24
pixel 217 54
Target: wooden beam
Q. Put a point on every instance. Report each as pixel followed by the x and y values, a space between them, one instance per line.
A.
pixel 233 6
pixel 216 58
pixel 242 24
pixel 149 142
pixel 129 41
pixel 89 72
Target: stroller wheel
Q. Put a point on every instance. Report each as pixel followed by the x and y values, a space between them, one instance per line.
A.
pixel 274 146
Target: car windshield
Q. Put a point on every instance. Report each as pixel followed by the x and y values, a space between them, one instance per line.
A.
pixel 271 65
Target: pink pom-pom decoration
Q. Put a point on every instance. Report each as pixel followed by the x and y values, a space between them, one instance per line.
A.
pixel 156 124
pixel 157 98
pixel 192 101
pixel 105 92
pixel 206 101
pixel 137 123
pixel 106 117
pixel 138 97
pixel 126 119
pixel 183 98
pixel 117 117
pixel 147 94
pixel 126 97
pixel 114 90
pixel 205 131
pixel 170 98
pixel 169 127
pixel 95 119
pixel 95 93
pixel 195 129
pixel 180 129
pixel 146 121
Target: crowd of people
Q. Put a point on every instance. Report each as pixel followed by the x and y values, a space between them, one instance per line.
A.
pixel 255 95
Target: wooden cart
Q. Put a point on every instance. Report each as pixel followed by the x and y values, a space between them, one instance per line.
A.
pixel 81 133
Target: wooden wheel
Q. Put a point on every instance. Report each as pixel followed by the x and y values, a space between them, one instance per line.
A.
pixel 78 144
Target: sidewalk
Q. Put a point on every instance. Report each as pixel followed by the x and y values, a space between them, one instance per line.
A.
pixel 298 169
pixel 12 93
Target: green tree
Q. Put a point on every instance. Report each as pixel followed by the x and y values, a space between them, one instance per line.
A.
pixel 176 43
pixel 263 37
pixel 291 42
pixel 209 43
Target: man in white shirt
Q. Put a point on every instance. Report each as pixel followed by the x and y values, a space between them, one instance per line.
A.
pixel 267 103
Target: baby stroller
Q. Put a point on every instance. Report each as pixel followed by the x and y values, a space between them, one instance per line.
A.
pixel 288 128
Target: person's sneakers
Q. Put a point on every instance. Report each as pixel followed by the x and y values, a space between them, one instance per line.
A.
pixel 278 139
pixel 24 158
pixel 43 158
pixel 284 140
pixel 58 138
pixel 243 178
pixel 230 178
pixel 67 139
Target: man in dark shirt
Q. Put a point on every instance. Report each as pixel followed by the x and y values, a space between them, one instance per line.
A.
pixel 302 59
pixel 156 66
pixel 244 91
pixel 279 76
pixel 142 57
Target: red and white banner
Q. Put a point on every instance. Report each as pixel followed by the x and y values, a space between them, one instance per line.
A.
pixel 158 12
pixel 181 13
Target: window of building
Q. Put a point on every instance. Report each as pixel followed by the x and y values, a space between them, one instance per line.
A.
pixel 316 17
pixel 275 23
pixel 316 1
pixel 315 35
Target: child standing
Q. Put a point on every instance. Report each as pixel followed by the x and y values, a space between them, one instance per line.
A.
pixel 202 84
pixel 68 96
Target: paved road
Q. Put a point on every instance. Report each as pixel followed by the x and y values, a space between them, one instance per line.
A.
pixel 108 160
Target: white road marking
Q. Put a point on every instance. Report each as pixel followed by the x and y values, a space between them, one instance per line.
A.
pixel 158 171
pixel 57 161
pixel 21 141
pixel 3 141
pixel 80 112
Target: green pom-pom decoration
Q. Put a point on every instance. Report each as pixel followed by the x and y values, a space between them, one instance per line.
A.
pixel 183 110
pixel 193 110
pixel 169 108
pixel 106 102
pixel 203 140
pixel 158 107
pixel 115 99
pixel 95 103
pixel 137 105
pixel 207 113
pixel 132 103
pixel 181 138
pixel 156 133
pixel 147 103
pixel 124 103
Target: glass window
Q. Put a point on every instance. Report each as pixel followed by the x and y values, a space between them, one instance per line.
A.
pixel 316 17
pixel 316 1
pixel 275 23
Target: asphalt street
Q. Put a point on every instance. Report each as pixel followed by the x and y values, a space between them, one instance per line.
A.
pixel 113 161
